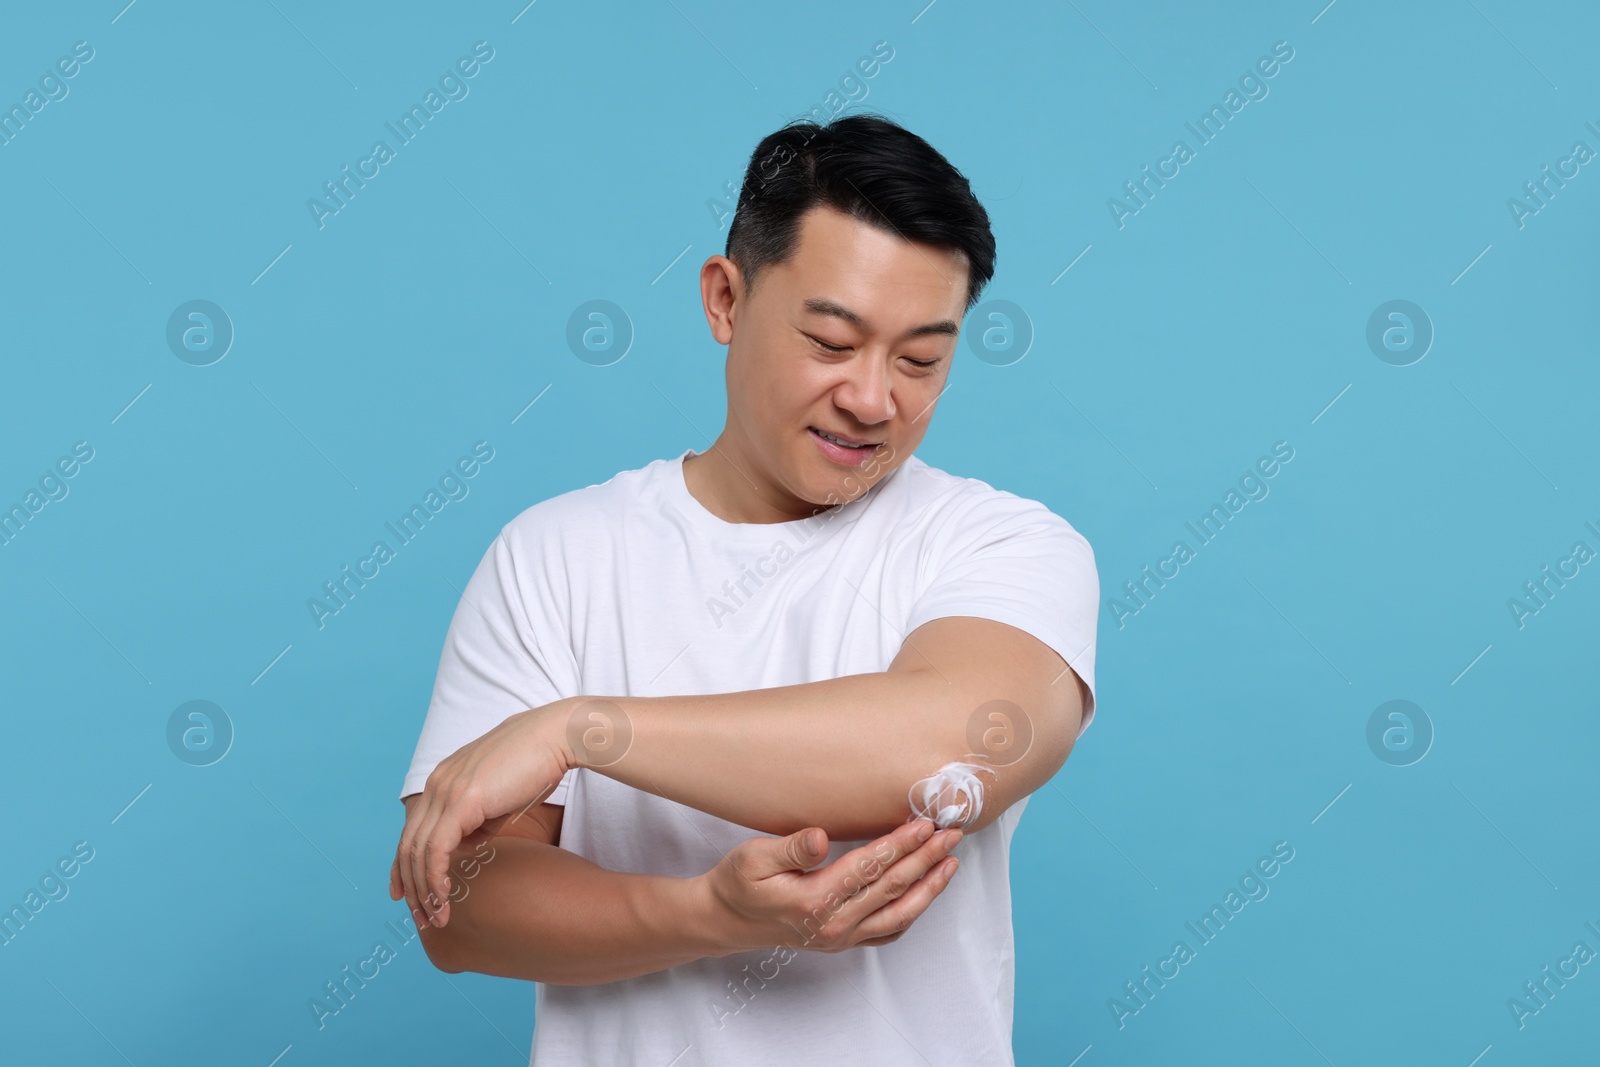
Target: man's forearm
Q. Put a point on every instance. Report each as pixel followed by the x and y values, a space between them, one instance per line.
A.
pixel 838 753
pixel 540 913
pixel 842 753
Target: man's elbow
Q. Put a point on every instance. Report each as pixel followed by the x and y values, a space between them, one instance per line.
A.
pixel 973 790
pixel 443 947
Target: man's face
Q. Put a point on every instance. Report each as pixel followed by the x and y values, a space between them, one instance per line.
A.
pixel 852 337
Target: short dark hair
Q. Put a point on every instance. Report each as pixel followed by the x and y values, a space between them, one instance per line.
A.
pixel 869 168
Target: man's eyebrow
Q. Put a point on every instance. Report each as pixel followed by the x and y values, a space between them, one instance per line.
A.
pixel 821 306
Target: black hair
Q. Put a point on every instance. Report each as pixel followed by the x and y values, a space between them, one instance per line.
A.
pixel 869 168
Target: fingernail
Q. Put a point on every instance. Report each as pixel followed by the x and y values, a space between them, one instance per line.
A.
pixel 924 830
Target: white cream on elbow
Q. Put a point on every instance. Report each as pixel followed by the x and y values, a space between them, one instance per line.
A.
pixel 951 798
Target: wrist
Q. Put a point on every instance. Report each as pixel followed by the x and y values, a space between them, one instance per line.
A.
pixel 705 918
pixel 589 731
pixel 684 913
pixel 547 725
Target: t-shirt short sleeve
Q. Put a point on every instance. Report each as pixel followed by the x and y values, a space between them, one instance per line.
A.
pixel 504 653
pixel 1013 560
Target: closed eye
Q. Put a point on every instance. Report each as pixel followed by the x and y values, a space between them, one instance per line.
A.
pixel 920 364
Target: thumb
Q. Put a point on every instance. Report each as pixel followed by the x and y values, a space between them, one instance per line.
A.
pixel 804 849
pixel 800 851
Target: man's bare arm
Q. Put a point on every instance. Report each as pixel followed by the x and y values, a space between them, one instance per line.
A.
pixel 842 753
pixel 524 908
pixel 537 912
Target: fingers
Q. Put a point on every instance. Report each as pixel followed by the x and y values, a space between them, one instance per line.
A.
pixel 881 883
pixel 438 821
pixel 406 853
pixel 901 841
pixel 402 863
pixel 884 886
pixel 422 877
pixel 865 864
pixel 425 900
pixel 893 919
pixel 897 878
pixel 411 845
pixel 397 886
pixel 442 839
pixel 441 826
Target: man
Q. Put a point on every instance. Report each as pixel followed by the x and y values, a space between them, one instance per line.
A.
pixel 805 632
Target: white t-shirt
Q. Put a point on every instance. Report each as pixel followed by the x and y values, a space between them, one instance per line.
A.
pixel 633 588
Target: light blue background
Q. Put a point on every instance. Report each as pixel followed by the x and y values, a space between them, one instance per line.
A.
pixel 1223 317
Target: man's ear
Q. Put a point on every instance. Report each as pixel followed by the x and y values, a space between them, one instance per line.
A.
pixel 722 290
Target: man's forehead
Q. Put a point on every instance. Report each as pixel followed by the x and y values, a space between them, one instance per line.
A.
pixel 832 240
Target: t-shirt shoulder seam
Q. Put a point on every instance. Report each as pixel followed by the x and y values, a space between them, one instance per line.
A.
pixel 606 497
pixel 967 493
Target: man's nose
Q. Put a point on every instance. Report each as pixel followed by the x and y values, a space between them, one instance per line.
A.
pixel 869 393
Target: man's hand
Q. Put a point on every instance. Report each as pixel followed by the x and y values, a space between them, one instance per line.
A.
pixel 470 795
pixel 763 892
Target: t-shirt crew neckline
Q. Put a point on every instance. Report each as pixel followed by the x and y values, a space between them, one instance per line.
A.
pixel 752 532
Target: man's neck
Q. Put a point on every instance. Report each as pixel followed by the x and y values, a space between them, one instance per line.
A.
pixel 734 489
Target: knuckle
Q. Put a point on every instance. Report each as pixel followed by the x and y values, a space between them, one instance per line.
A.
pixel 829 935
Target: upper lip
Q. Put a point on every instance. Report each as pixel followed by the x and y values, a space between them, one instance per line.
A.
pixel 846 438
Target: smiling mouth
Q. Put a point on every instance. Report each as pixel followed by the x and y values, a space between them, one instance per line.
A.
pixel 843 442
